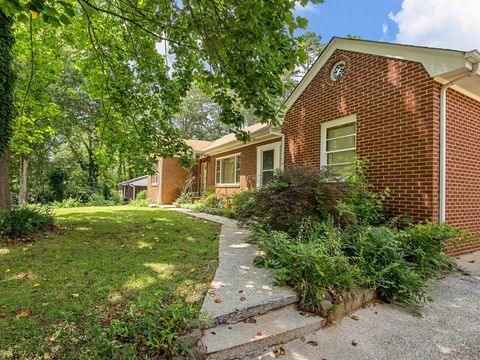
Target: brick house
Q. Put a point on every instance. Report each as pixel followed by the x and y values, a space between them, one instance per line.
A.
pixel 413 112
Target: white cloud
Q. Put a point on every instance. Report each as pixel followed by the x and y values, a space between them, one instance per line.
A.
pixel 439 23
pixel 304 10
pixel 384 30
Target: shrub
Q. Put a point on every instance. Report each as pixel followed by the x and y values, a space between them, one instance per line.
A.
pixel 187 193
pixel 24 220
pixel 313 263
pixel 326 261
pixel 67 203
pixel 239 204
pixel 140 199
pixel 208 202
pixel 294 195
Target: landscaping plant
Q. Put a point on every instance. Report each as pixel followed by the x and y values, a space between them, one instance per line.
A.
pixel 327 236
pixel 140 200
pixel 24 220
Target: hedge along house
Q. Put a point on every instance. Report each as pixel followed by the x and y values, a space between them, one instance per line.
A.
pixel 413 112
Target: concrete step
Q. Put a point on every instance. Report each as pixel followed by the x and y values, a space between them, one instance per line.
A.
pixel 234 341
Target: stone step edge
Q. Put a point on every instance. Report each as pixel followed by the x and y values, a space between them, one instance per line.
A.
pixel 252 311
pixel 252 347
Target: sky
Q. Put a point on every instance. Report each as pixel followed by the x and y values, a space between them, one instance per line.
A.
pixel 452 24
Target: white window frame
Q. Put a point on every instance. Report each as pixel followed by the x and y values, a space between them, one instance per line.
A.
pixel 216 169
pixel 276 147
pixel 204 177
pixel 323 140
pixel 155 176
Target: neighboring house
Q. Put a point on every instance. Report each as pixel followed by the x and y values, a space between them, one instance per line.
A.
pixel 413 112
pixel 130 188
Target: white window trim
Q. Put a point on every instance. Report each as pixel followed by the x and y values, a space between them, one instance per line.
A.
pixel 226 157
pixel 156 175
pixel 323 140
pixel 276 146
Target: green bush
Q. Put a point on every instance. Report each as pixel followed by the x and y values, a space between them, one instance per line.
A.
pixel 140 200
pixel 67 203
pixel 297 194
pixel 238 205
pixel 326 261
pixel 313 263
pixel 24 220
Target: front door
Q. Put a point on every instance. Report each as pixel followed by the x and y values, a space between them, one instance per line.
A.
pixel 203 178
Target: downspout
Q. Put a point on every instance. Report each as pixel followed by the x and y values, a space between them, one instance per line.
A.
pixel 443 140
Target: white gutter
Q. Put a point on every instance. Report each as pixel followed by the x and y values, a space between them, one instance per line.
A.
pixel 443 139
pixel 282 147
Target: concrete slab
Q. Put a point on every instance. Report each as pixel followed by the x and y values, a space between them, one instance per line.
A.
pixel 275 327
pixel 240 290
pixel 470 263
pixel 449 329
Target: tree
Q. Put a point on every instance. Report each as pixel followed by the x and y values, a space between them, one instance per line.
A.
pixel 235 51
pixel 7 80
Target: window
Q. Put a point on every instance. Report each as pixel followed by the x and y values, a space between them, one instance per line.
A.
pixel 154 179
pixel 337 71
pixel 268 160
pixel 339 144
pixel 228 170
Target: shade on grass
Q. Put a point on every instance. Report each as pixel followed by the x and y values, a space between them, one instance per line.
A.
pixel 70 286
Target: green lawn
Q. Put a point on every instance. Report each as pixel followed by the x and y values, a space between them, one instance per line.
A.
pixel 117 284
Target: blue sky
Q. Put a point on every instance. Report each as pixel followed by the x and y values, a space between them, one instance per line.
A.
pixel 365 18
pixel 436 23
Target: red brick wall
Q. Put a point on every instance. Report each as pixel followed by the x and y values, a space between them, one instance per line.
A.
pixel 248 168
pixel 463 168
pixel 396 123
pixel 174 177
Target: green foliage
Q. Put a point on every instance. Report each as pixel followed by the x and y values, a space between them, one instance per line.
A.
pixel 237 205
pixel 313 263
pixel 7 79
pixel 325 261
pixel 362 204
pixel 118 281
pixel 151 329
pixel 24 220
pixel 140 200
pixel 294 195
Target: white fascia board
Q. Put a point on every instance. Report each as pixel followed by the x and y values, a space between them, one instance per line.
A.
pixel 238 144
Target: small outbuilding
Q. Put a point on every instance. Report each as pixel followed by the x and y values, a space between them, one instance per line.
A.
pixel 130 188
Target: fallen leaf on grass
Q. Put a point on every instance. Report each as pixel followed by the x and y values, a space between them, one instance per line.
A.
pixel 243 298
pixel 217 301
pixel 354 343
pixel 211 292
pixel 259 333
pixel 192 270
pixel 7 271
pixel 23 314
pixel 3 316
pixel 76 295
pixel 312 342
pixel 302 338
pixel 354 317
pixel 36 285
pixel 280 351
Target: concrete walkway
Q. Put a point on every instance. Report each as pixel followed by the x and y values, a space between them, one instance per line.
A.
pixel 239 289
pixel 449 328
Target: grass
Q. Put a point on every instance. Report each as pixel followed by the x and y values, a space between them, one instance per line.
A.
pixel 60 295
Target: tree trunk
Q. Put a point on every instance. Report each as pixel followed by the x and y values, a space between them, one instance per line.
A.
pixel 23 179
pixel 5 201
pixel 7 79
